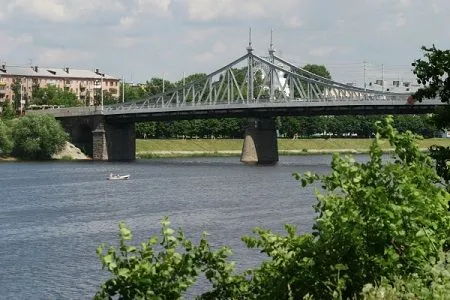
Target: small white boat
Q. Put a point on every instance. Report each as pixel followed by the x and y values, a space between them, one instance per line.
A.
pixel 118 177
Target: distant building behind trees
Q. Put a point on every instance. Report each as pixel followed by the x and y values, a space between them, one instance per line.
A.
pixel 22 83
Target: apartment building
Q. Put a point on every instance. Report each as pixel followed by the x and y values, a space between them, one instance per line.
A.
pixel 83 83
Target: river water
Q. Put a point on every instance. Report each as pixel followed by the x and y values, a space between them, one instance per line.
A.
pixel 53 215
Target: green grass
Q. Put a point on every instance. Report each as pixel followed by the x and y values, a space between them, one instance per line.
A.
pixel 151 148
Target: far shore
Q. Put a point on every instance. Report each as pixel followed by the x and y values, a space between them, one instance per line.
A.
pixel 165 148
pixel 172 148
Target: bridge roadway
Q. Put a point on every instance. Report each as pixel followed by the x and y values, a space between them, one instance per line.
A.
pixel 249 110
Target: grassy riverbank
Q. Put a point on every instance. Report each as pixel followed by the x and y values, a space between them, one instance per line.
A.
pixel 152 148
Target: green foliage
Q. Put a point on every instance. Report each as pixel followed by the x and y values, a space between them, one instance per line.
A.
pixel 377 219
pixel 434 283
pixel 320 70
pixel 132 92
pixel 16 88
pixel 6 143
pixel 144 273
pixel 7 112
pixel 433 73
pixel 53 95
pixel 37 137
pixel 441 155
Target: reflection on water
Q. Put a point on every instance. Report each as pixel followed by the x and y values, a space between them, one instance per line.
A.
pixel 54 215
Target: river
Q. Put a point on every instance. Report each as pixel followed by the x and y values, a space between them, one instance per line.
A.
pixel 53 215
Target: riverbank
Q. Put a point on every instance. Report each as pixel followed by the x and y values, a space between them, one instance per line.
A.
pixel 69 152
pixel 157 148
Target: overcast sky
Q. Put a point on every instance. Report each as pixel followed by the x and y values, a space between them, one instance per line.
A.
pixel 140 39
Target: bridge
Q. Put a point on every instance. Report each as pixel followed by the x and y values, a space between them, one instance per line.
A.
pixel 253 87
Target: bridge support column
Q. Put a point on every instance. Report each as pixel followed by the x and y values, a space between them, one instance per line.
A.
pixel 121 141
pixel 113 141
pixel 260 142
pixel 99 146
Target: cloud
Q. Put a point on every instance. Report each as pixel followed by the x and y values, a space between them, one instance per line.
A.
pixel 9 43
pixel 146 37
pixel 322 51
pixel 51 57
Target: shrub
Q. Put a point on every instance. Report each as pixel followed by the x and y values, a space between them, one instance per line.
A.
pixel 37 137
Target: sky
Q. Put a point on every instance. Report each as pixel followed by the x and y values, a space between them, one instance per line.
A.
pixel 140 39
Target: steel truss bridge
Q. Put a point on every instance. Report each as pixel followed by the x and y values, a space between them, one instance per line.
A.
pixel 255 86
pixel 258 86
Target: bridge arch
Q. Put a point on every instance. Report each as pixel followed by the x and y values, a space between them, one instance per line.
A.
pixel 81 136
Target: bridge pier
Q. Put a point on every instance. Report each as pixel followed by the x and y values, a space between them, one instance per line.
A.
pixel 99 145
pixel 120 141
pixel 260 142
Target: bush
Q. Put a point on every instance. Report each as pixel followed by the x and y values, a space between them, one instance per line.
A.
pixel 37 137
pixel 143 273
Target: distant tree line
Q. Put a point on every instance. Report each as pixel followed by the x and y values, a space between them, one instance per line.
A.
pixel 288 127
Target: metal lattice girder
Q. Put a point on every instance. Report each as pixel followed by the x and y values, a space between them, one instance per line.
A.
pixel 254 79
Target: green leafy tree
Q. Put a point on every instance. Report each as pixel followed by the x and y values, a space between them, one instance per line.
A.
pixel 53 95
pixel 16 88
pixel 132 92
pixel 145 129
pixel 158 85
pixel 433 73
pixel 7 111
pixel 320 70
pixel 35 87
pixel 6 142
pixel 37 137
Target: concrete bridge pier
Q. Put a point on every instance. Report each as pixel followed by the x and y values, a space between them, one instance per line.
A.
pixel 114 142
pixel 260 142
pixel 120 141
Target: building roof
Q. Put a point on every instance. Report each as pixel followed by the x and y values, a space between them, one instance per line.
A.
pixel 37 71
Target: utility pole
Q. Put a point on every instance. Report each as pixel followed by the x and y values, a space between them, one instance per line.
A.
pixel 382 77
pixel 365 75
pixel 21 96
pixel 123 89
pixel 101 90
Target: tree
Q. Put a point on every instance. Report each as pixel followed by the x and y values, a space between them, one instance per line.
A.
pixel 16 87
pixel 320 70
pixel 37 137
pixel 158 85
pixel 6 143
pixel 53 95
pixel 433 74
pixel 7 111
pixel 145 129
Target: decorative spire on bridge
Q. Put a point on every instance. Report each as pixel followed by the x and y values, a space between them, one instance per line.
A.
pixel 250 74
